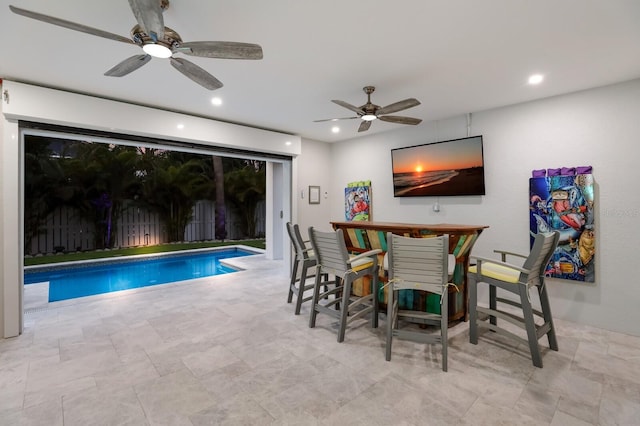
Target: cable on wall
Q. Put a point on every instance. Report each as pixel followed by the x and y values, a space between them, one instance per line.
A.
pixel 436 205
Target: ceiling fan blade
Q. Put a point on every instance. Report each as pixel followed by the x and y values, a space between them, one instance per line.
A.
pixel 196 73
pixel 364 126
pixel 221 49
pixel 334 119
pixel 70 25
pixel 148 13
pixel 346 105
pixel 398 106
pixel 400 119
pixel 128 65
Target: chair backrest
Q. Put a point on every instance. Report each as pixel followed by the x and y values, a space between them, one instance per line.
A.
pixel 298 243
pixel 544 244
pixel 418 263
pixel 330 250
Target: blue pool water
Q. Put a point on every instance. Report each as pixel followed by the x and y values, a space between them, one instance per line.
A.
pixel 105 277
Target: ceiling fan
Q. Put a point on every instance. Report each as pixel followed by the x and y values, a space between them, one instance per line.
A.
pixel 159 41
pixel 369 111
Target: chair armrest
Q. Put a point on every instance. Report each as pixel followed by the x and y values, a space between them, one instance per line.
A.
pixel 504 254
pixel 482 260
pixel 365 254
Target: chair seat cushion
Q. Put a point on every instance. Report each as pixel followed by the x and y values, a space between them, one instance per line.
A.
pixel 497 271
pixel 360 264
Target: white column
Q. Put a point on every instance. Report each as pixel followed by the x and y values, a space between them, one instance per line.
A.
pixel 11 258
pixel 278 209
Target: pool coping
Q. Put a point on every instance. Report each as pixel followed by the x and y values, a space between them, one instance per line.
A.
pixel 131 258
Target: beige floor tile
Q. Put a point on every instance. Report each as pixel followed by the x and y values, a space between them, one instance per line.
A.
pixel 229 350
pixel 103 407
pixel 178 393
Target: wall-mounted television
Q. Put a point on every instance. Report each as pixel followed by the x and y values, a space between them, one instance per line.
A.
pixel 454 167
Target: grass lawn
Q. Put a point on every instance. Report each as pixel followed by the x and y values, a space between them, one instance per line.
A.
pixel 162 248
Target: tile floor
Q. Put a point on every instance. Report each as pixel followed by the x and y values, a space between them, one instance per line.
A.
pixel 228 350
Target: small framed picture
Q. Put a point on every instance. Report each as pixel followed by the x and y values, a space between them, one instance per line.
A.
pixel 314 195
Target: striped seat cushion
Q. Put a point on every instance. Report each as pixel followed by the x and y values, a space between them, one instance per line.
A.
pixel 360 264
pixel 497 271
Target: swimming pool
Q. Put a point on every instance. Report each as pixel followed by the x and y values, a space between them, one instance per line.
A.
pixel 81 279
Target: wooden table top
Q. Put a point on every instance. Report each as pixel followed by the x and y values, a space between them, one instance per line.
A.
pixel 390 226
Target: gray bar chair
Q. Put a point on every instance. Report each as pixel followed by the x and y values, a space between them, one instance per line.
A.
pixel 304 264
pixel 418 264
pixel 517 280
pixel 334 260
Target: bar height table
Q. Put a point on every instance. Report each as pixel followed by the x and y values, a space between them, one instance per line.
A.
pixel 362 236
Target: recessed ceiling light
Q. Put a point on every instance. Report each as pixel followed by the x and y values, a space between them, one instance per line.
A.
pixel 180 126
pixel 216 101
pixel 536 79
pixel 335 129
pixel 287 143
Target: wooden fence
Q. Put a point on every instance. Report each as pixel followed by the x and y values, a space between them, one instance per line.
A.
pixel 65 231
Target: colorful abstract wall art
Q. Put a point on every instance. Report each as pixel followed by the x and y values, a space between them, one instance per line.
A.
pixel 357 201
pixel 565 203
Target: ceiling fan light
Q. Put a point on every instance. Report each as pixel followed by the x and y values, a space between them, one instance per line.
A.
pixel 536 79
pixel 157 50
pixel 368 117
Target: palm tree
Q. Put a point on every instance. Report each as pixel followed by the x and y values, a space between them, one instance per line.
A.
pixel 220 206
pixel 44 188
pixel 245 189
pixel 172 186
pixel 102 177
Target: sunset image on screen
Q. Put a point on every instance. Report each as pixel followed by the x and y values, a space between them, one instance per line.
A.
pixel 443 168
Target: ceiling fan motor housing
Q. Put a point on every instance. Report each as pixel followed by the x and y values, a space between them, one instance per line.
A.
pixel 171 38
pixel 369 108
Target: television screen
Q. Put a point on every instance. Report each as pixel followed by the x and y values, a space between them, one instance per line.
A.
pixel 454 167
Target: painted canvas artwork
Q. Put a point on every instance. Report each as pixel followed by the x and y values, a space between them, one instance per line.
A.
pixel 565 203
pixel 357 201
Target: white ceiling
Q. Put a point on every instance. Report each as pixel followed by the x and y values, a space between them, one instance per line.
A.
pixel 455 56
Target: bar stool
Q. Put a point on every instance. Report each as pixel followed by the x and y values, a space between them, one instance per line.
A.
pixel 333 259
